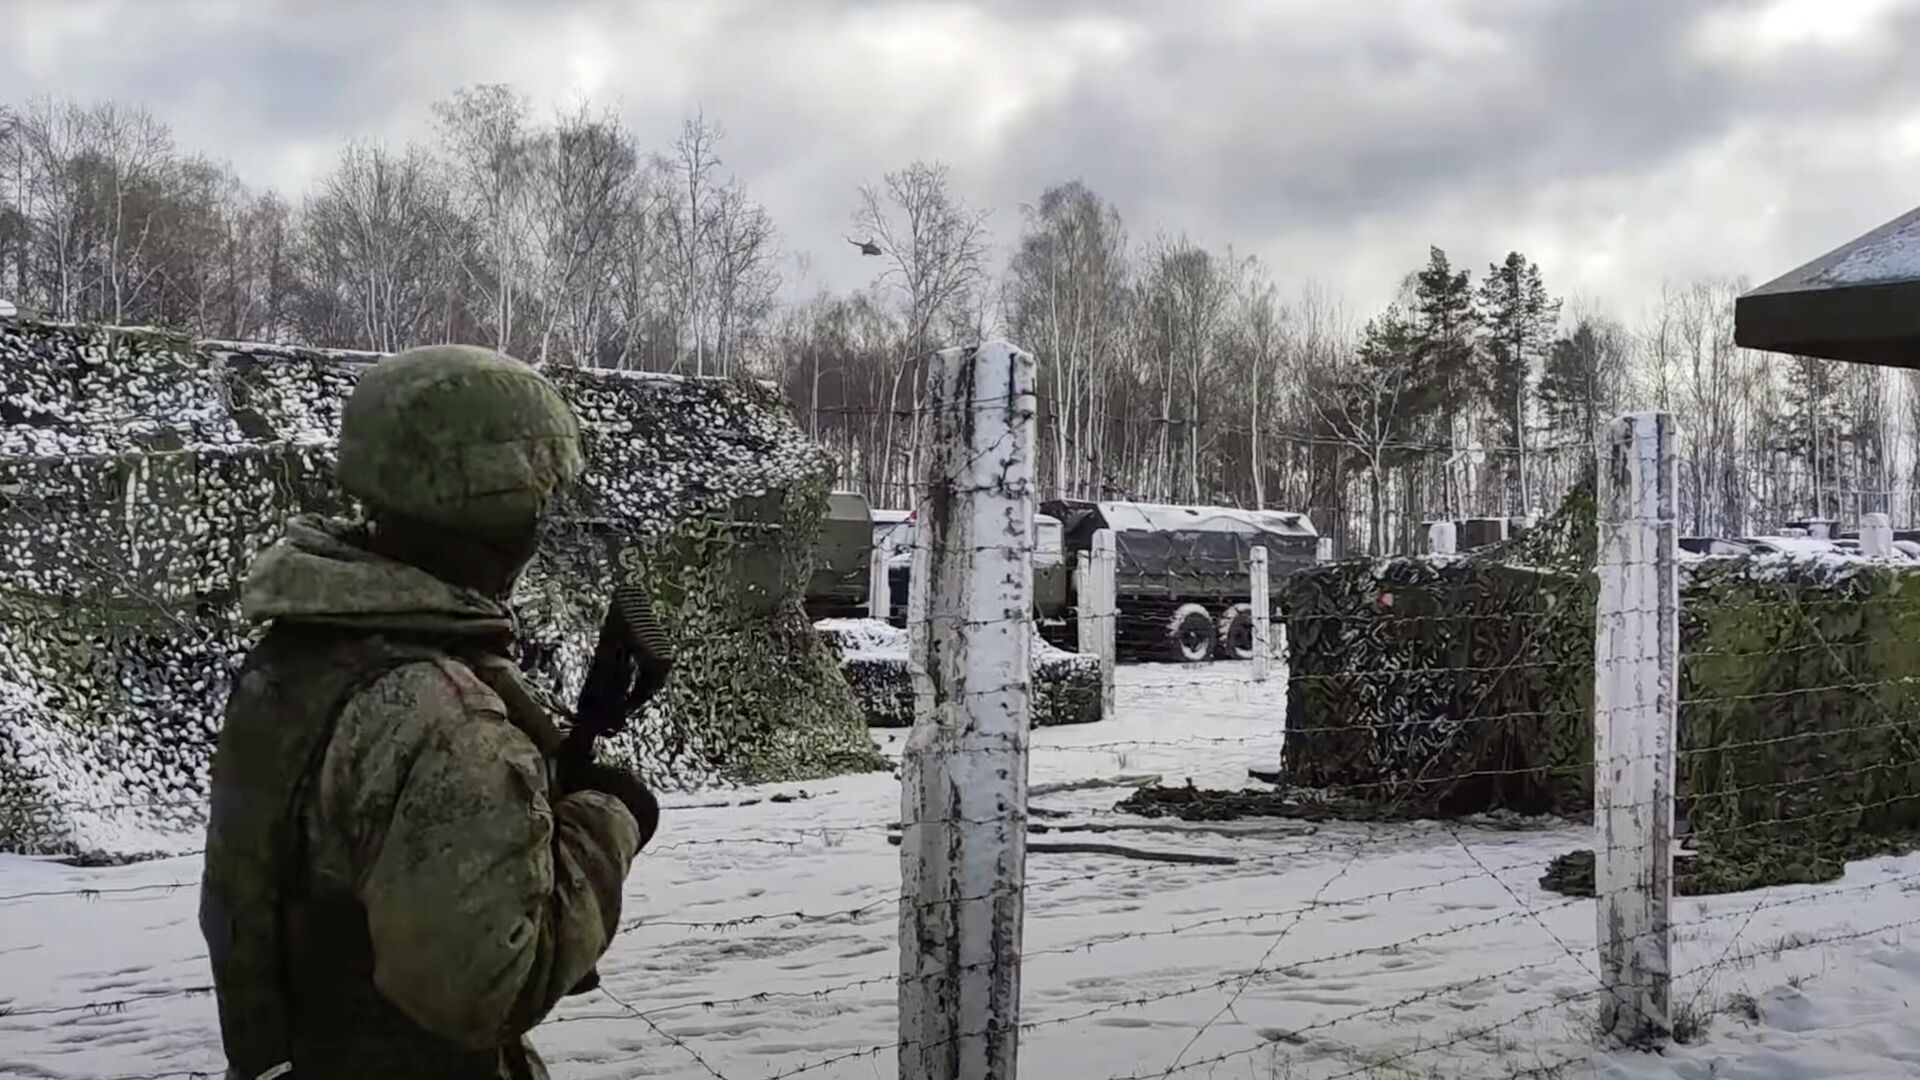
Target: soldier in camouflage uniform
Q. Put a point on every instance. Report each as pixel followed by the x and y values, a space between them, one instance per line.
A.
pixel 404 872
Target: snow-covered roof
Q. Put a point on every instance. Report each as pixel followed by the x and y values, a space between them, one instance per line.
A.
pixel 905 517
pixel 872 639
pixel 1156 517
pixel 1890 256
pixel 1791 545
pixel 1859 302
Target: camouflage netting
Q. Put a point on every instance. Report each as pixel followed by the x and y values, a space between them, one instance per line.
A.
pixel 1452 685
pixel 1799 722
pixel 1066 686
pixel 1799 717
pixel 1458 686
pixel 140 471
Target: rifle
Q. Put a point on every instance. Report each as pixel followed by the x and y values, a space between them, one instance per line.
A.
pixel 631 661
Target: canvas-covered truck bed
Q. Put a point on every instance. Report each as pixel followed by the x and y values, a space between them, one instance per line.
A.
pixel 1181 575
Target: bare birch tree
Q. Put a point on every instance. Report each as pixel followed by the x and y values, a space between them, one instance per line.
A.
pixel 687 223
pixel 1066 300
pixel 744 277
pixel 484 135
pixel 1363 401
pixel 934 247
pixel 1188 292
pixel 374 255
pixel 581 183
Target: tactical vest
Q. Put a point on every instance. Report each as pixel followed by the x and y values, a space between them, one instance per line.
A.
pixel 293 970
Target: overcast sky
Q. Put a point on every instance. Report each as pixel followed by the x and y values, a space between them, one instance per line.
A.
pixel 1618 142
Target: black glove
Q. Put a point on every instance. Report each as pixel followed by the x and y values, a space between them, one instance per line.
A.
pixel 581 774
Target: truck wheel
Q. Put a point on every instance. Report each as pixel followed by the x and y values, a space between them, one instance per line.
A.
pixel 1236 632
pixel 1191 635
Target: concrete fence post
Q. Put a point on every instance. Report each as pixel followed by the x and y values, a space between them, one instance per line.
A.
pixel 879 586
pixel 1082 623
pixel 1876 535
pixel 964 772
pixel 1636 681
pixel 1103 614
pixel 1262 614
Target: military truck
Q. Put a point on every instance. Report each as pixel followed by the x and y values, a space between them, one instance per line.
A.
pixel 1181 576
pixel 841 553
pixel 1050 571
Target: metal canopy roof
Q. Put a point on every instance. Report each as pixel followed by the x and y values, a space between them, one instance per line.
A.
pixel 1859 302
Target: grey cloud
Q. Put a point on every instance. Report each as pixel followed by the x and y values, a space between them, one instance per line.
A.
pixel 1335 139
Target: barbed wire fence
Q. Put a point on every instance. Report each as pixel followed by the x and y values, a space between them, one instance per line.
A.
pixel 969 816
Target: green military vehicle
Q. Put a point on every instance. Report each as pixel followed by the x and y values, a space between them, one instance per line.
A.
pixel 1180 579
pixel 1181 574
pixel 842 557
pixel 894 528
pixel 839 586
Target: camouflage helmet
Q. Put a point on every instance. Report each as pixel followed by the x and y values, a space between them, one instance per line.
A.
pixel 459 437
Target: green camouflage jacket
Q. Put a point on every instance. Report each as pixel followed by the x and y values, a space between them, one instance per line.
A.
pixel 393 887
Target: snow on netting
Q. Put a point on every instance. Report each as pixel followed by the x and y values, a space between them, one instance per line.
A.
pixel 140 472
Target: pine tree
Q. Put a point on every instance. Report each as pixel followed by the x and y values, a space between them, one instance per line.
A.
pixel 1516 319
pixel 1581 377
pixel 1810 428
pixel 1443 344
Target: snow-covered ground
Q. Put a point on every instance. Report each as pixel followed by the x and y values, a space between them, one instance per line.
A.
pixel 761 942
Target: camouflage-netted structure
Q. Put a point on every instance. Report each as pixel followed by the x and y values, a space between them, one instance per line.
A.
pixel 1455 686
pixel 140 471
pixel 1449 685
pixel 1799 716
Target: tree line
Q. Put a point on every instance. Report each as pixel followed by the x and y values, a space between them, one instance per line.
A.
pixel 1169 370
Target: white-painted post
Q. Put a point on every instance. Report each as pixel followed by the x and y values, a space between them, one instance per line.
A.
pixel 917 569
pixel 1262 614
pixel 964 773
pixel 1636 678
pixel 1082 621
pixel 1102 611
pixel 1876 535
pixel 1441 538
pixel 879 586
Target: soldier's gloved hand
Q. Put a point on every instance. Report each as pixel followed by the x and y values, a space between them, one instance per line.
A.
pixel 580 775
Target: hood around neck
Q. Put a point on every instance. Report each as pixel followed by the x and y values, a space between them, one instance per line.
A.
pixel 321 571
